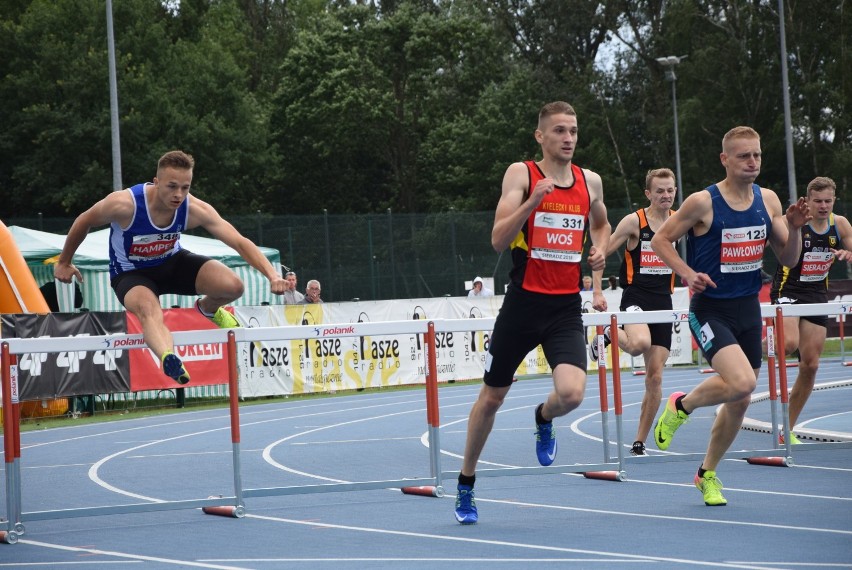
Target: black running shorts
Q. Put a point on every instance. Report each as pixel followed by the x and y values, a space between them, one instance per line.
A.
pixel 175 275
pixel 527 320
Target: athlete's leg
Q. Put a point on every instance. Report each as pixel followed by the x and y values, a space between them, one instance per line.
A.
pixel 569 388
pixel 791 334
pixel 735 379
pixel 732 386
pixel 218 284
pixel 725 428
pixel 634 339
pixel 145 305
pixel 811 343
pixel 655 360
pixel 480 423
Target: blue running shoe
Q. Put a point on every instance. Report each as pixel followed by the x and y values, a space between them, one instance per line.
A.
pixel 466 505
pixel 545 443
pixel 174 369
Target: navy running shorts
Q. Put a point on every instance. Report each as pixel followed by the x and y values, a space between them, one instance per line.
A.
pixel 717 323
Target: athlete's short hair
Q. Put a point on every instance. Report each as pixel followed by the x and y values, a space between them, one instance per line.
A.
pixel 821 183
pixel 739 133
pixel 657 173
pixel 555 108
pixel 176 159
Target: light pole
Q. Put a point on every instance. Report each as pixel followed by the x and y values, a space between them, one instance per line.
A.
pixel 668 64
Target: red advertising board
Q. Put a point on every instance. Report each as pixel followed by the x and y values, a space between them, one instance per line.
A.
pixel 206 363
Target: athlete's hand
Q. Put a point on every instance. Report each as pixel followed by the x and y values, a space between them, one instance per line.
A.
pixel 599 301
pixel 66 272
pixel 542 188
pixel 698 282
pixel 798 214
pixel 842 254
pixel 279 285
pixel 597 260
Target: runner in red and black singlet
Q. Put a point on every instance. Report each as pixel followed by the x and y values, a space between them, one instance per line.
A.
pixel 546 211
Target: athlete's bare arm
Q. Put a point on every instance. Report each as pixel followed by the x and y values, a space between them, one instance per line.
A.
pixel 117 207
pixel 785 235
pixel 599 230
pixel 696 213
pixel 844 230
pixel 513 209
pixel 204 215
pixel 627 230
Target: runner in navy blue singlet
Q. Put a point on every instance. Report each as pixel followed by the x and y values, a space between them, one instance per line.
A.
pixel 727 227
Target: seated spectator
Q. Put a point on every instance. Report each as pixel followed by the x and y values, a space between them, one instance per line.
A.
pixel 479 289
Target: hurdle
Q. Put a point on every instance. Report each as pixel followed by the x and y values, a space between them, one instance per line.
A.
pixel 777 313
pixel 11 347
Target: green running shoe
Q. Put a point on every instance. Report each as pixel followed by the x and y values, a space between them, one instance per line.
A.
pixel 793 439
pixel 711 487
pixel 221 318
pixel 669 421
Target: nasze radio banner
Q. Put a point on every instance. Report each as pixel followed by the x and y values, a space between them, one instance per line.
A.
pixel 328 362
pixel 74 373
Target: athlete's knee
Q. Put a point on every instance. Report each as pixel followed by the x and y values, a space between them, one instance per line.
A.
pixel 742 384
pixel 570 394
pixel 653 381
pixel 808 365
pixel 491 399
pixel 790 345
pixel 233 287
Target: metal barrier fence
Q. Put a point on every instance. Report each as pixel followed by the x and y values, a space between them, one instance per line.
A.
pixel 611 468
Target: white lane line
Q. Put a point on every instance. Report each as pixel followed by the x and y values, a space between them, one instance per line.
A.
pixel 135 557
pixel 521 545
pixel 664 517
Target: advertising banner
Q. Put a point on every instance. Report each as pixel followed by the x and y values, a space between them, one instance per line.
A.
pixel 328 363
pixel 74 373
pixel 206 363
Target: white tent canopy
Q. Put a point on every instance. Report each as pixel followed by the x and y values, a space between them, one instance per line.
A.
pixel 92 258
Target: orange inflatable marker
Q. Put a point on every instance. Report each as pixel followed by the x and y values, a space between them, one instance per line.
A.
pixel 19 292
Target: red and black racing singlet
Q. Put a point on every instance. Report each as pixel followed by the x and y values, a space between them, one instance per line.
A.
pixel 641 266
pixel 547 251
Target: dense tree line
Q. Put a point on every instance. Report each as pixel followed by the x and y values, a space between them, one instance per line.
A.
pixel 295 106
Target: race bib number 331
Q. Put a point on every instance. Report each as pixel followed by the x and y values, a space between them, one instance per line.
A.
pixel 557 237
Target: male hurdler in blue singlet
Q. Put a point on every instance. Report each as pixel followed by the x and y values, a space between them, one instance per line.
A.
pixel 727 227
pixel 147 260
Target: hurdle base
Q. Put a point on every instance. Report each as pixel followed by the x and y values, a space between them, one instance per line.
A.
pixel 424 491
pixel 770 461
pixel 229 511
pixel 8 537
pixel 605 475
